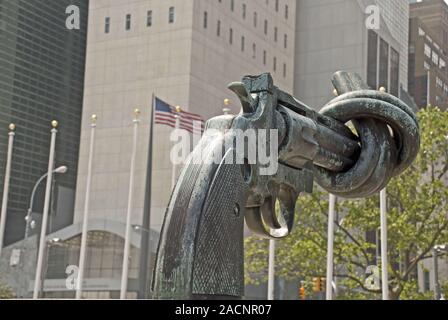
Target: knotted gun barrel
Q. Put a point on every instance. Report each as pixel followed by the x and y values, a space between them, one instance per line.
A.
pixel 200 253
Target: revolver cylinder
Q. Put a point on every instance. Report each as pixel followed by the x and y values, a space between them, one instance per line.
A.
pixel 308 140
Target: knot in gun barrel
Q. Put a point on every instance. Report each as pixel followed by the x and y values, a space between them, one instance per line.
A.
pixel 388 133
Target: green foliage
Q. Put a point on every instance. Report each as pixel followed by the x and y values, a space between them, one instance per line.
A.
pixel 6 292
pixel 417 220
pixel 444 289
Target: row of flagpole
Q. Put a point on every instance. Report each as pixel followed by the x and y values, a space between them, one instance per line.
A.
pixel 330 252
pixel 41 255
pixel 128 227
pixel 42 238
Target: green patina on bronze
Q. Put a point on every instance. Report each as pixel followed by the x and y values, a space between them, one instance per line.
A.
pixel 200 253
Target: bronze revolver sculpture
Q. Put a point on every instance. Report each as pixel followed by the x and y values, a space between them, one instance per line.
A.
pixel 200 253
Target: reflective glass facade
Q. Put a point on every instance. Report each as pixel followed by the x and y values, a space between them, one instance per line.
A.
pixel 41 79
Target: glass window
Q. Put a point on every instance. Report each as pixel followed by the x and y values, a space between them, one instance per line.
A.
pixel 218 28
pixel 232 5
pixel 428 51
pixel 242 43
pixel 384 64
pixel 285 41
pixel 394 72
pixel 265 27
pixel 372 59
pixel 107 25
pixel 284 70
pixel 264 57
pixel 244 11
pixel 254 50
pixel 435 58
pixel 149 18
pixel 286 11
pixel 255 19
pixel 171 15
pixel 421 32
pixel 276 5
pixel 205 19
pixel 275 64
pixel 275 34
pixel 128 22
pixel 231 36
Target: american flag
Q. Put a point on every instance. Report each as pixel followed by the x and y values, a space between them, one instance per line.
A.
pixel 166 114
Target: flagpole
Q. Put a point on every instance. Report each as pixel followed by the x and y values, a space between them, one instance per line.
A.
pixel 43 231
pixel 127 240
pixel 330 247
pixel 146 230
pixel 176 127
pixel 384 260
pixel 82 254
pixel 271 270
pixel 4 211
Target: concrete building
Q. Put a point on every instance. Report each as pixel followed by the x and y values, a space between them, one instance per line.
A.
pixel 429 48
pixel 332 35
pixel 428 75
pixel 41 79
pixel 434 14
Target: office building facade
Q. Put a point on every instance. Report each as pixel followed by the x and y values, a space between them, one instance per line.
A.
pixel 41 79
pixel 428 76
pixel 336 35
pixel 428 53
pixel 434 15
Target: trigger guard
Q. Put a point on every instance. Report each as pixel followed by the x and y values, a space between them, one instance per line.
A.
pixel 258 217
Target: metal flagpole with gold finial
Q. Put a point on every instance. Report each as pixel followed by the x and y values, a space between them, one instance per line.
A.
pixel 330 247
pixel 85 222
pixel 127 239
pixel 383 227
pixel 11 134
pixel 177 116
pixel 226 110
pixel 330 240
pixel 43 231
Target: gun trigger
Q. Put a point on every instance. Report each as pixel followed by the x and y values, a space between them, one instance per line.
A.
pixel 246 99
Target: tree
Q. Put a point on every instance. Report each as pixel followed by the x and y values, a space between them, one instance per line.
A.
pixel 417 220
pixel 6 292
